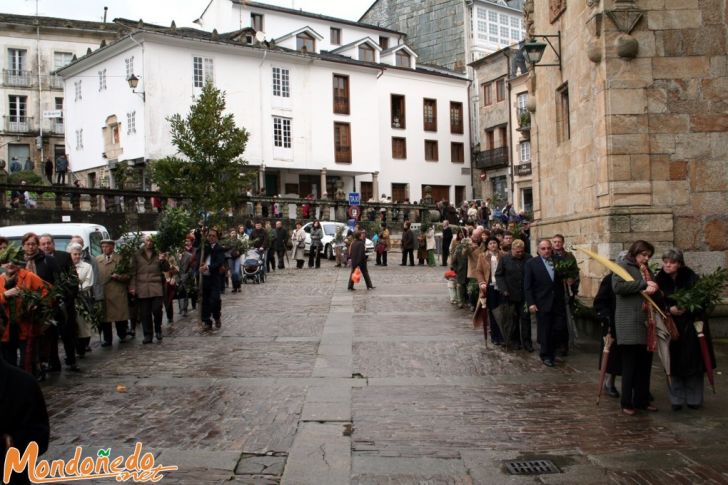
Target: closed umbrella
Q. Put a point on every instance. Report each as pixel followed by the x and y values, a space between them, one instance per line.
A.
pixel 608 341
pixel 480 318
pixel 707 361
pixel 663 345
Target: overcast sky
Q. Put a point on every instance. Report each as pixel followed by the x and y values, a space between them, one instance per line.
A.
pixel 183 12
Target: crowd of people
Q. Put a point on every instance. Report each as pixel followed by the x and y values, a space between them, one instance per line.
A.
pixel 490 266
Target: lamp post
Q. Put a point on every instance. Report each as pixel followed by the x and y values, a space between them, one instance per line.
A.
pixel 133 83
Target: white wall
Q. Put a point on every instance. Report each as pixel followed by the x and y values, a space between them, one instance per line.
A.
pixel 91 111
pixel 225 16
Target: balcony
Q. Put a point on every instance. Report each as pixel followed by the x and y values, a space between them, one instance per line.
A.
pixel 523 169
pixel 524 120
pixel 18 124
pixel 17 79
pixel 55 82
pixel 341 105
pixel 495 158
pixel 55 127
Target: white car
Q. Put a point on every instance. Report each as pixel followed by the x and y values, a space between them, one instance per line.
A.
pixel 92 234
pixel 330 229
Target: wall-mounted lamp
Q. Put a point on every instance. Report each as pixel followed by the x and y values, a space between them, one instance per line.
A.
pixel 534 49
pixel 133 83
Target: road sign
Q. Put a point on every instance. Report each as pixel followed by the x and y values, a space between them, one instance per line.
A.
pixel 354 198
pixel 354 212
pixel 56 113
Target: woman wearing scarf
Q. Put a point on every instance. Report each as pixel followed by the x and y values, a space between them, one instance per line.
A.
pixel 490 259
pixel 635 327
pixel 686 360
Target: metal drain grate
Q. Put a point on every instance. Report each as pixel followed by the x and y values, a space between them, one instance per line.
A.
pixel 531 467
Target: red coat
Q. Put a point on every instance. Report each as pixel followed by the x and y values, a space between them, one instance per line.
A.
pixel 28 281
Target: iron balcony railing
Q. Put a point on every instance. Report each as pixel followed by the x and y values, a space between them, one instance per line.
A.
pixel 55 82
pixel 17 79
pixel 497 157
pixel 18 124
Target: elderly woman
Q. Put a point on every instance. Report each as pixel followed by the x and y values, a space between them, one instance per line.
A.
pixel 85 297
pixel 631 321
pixel 686 362
pixel 147 285
pixel 299 245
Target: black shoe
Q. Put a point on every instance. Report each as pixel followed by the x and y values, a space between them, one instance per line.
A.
pixel 351 289
pixel 371 287
pixel 385 264
pixel 73 368
pixel 147 341
pixel 548 362
pixel 106 344
pixel 159 337
pixel 218 323
pixel 677 407
pixel 528 349
pixel 694 406
pixel 611 391
pixel 403 265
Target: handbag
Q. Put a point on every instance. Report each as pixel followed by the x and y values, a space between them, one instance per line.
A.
pixel 301 244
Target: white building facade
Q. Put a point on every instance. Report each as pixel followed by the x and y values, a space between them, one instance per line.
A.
pixel 317 120
pixel 31 95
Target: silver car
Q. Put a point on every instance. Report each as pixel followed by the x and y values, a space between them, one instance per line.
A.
pixel 330 229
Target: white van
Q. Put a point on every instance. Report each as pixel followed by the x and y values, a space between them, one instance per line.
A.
pixel 92 234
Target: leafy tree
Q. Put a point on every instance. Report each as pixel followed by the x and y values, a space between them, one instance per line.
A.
pixel 207 171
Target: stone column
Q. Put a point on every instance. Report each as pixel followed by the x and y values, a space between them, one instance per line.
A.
pixel 375 186
pixel 322 189
pixel 261 177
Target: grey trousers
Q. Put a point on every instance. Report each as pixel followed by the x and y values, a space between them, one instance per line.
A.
pixel 687 390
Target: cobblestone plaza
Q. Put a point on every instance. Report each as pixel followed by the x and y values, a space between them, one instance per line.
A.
pixel 306 383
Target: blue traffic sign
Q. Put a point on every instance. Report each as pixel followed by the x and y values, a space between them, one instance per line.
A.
pixel 354 198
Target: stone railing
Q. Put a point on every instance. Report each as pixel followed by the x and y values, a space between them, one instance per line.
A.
pixel 103 200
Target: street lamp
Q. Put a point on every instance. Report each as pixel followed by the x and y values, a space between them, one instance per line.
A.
pixel 534 49
pixel 133 83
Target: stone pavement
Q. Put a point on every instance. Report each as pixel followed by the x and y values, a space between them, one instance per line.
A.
pixel 307 383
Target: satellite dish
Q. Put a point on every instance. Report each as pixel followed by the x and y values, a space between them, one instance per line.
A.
pixel 260 36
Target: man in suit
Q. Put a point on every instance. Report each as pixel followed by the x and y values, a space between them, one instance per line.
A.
pixel 66 319
pixel 544 294
pixel 509 279
pixel 213 263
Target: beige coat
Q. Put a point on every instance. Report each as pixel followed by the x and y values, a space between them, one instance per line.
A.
pixel 148 278
pixel 116 305
pixel 473 256
pixel 296 237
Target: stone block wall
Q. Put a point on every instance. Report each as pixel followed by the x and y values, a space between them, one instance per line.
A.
pixel 435 28
pixel 648 152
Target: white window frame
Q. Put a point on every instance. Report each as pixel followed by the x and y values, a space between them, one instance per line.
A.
pixel 524 150
pixel 131 123
pixel 522 100
pixel 129 62
pixel 102 80
pixel 19 104
pixel 17 59
pixel 61 59
pixel 203 70
pixel 281 82
pixel 282 132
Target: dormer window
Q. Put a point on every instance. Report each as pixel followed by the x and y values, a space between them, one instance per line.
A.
pixel 256 21
pixel 403 59
pixel 305 43
pixel 366 53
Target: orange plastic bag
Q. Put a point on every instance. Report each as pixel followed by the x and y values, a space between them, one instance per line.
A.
pixel 356 276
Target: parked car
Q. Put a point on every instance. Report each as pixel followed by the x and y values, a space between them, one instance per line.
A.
pixel 92 234
pixel 330 229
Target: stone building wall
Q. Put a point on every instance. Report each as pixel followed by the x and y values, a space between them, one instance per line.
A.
pixel 648 154
pixel 435 28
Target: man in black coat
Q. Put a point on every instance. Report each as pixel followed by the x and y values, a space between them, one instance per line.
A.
pixel 259 240
pixel 408 245
pixel 446 241
pixel 509 279
pixel 544 293
pixel 213 263
pixel 66 316
pixel 280 243
pixel 359 260
pixel 23 416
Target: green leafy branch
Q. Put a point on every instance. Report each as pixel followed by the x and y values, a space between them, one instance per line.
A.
pixel 705 294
